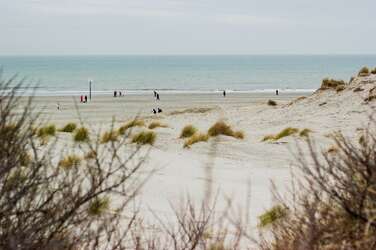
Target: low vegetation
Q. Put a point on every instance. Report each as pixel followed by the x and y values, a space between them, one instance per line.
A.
pixel 284 133
pixel 221 128
pixel 49 130
pixel 328 83
pixel 191 110
pixel 340 88
pixel 272 103
pixel 373 71
pixel 157 124
pixel 81 135
pixel 92 154
pixel 109 136
pixel 131 124
pixel 188 131
pixel 68 128
pixel 99 206
pixel 364 72
pixel 305 132
pixel 197 137
pixel 144 137
pixel 70 161
pixel 272 215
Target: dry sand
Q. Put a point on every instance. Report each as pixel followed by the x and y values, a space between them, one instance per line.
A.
pixel 238 164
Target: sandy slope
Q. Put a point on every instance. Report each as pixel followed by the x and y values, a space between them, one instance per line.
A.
pixel 237 163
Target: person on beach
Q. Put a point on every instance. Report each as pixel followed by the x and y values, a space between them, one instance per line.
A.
pixel 159 110
pixel 154 111
pixel 276 92
pixel 85 98
pixel 224 93
pixel 157 96
pixel 119 93
pixel 58 106
pixel 155 93
pixel 115 93
pixel 82 98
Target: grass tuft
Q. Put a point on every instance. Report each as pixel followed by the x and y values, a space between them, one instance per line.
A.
pixel 144 137
pixel 99 206
pixel 221 128
pixel 69 128
pixel 340 88
pixel 131 124
pixel 272 103
pixel 284 133
pixel 328 83
pixel 91 155
pixel 197 137
pixel 373 71
pixel 188 131
pixel 305 132
pixel 46 131
pixel 364 72
pixel 81 135
pixel 268 138
pixel 272 215
pixel 109 136
pixel 70 162
pixel 157 124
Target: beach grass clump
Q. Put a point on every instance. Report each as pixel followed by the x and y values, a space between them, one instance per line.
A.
pixel 272 103
pixel 272 215
pixel 221 128
pixel 332 150
pixel 69 162
pixel 68 128
pixel 81 135
pixel 286 132
pixel 144 137
pixel 91 155
pixel 328 83
pixel 340 88
pixel 197 137
pixel 305 132
pixel 109 136
pixel 131 124
pixel 373 71
pixel 364 72
pixel 49 130
pixel 157 124
pixel 99 206
pixel 188 131
pixel 268 138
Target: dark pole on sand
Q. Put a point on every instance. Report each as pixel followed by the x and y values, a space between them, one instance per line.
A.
pixel 90 89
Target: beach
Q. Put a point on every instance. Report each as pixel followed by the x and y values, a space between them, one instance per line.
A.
pixel 242 169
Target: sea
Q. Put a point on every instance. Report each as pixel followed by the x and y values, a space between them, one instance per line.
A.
pixel 71 75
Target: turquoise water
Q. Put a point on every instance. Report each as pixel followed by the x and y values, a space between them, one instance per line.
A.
pixel 70 74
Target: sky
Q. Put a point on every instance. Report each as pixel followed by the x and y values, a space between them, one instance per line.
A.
pixel 71 27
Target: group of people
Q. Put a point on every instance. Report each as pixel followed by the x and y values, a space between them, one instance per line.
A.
pixel 116 93
pixel 83 99
pixel 157 110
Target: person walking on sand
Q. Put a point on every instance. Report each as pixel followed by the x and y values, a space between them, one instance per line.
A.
pixel 115 93
pixel 85 98
pixel 82 98
pixel 157 96
pixel 224 93
pixel 155 93
pixel 276 92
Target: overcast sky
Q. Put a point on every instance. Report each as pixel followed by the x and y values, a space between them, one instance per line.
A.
pixel 45 27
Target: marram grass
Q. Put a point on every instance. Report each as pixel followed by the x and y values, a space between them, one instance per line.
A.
pixel 99 206
pixel 70 161
pixel 157 124
pixel 144 137
pixel 272 215
pixel 131 124
pixel 81 135
pixel 188 131
pixel 197 137
pixel 49 130
pixel 221 128
pixel 109 136
pixel 69 127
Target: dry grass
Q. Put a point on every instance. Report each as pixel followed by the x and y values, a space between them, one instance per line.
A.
pixel 198 137
pixel 188 131
pixel 109 136
pixel 328 83
pixel 358 89
pixel 340 88
pixel 70 162
pixel 364 72
pixel 305 132
pixel 91 155
pixel 69 128
pixel 191 110
pixel 81 135
pixel 284 133
pixel 272 215
pixel 131 124
pixel 221 128
pixel 272 103
pixel 373 71
pixel 144 137
pixel 99 206
pixel 157 124
pixel 49 130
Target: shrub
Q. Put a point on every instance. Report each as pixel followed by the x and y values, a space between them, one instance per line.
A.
pixel 46 131
pixel 188 131
pixel 364 72
pixel 272 215
pixel 221 128
pixel 144 137
pixel 305 132
pixel 331 83
pixel 157 124
pixel 109 136
pixel 69 128
pixel 70 161
pixel 131 124
pixel 81 135
pixel 272 103
pixel 197 137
